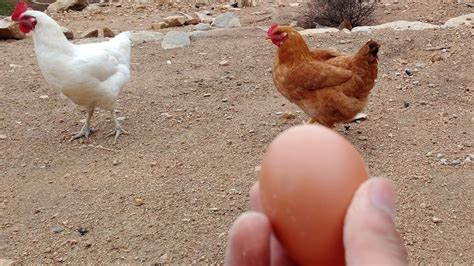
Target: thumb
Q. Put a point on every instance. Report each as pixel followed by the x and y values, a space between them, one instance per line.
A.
pixel 370 235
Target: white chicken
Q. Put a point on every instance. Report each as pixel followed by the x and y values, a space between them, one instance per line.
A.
pixel 91 75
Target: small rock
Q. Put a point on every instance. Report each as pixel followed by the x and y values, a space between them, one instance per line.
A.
pixel 82 231
pixel 3 136
pixel 429 154
pixel 44 97
pixel 468 159
pixel 164 257
pixel 92 33
pixel 57 229
pixel 115 162
pixel 456 162
pixel 443 161
pixel 436 220
pixel 139 202
pixel 192 21
pixel 207 95
pixel 227 20
pixel 204 18
pixel 436 57
pixel 344 41
pixel 440 156
pixel 68 33
pixel 108 33
pixel 159 26
pixel 288 115
pixel 224 63
pixel 408 72
pixel 174 21
pixel 362 138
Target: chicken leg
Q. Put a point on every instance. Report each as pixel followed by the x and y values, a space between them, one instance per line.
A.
pixel 118 128
pixel 85 130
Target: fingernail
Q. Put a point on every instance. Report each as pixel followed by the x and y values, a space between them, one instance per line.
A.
pixel 382 196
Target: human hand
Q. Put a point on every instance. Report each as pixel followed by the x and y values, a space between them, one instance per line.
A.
pixel 370 235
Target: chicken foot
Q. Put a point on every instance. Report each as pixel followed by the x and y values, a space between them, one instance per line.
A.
pixel 85 130
pixel 118 128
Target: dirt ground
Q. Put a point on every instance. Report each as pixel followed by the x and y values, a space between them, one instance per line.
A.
pixel 169 191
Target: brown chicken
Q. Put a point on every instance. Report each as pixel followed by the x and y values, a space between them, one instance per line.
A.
pixel 331 87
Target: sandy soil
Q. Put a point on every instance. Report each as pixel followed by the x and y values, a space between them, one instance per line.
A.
pixel 169 191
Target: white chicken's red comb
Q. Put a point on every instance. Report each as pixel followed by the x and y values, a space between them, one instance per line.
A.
pixel 272 27
pixel 20 8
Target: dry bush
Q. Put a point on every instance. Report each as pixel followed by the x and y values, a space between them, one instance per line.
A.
pixel 333 12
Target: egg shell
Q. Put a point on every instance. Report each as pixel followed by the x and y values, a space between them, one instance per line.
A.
pixel 308 177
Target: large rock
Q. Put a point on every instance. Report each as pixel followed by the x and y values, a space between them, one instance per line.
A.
pixel 174 21
pixel 397 25
pixel 461 20
pixel 175 39
pixel 10 30
pixel 64 5
pixel 139 37
pixel 227 20
pixel 310 32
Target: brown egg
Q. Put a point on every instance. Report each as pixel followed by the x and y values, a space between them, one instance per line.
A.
pixel 308 177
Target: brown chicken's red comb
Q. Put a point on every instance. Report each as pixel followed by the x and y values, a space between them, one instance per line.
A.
pixel 20 8
pixel 272 27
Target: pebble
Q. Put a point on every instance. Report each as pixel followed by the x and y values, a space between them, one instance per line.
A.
pixel 224 63
pixel 44 96
pixel 443 161
pixel 408 72
pixel 456 162
pixel 82 231
pixel 439 156
pixel 207 95
pixel 139 202
pixel 57 229
pixel 3 136
pixel 363 138
pixel 428 154
pixel 116 162
pixel 468 159
pixel 436 220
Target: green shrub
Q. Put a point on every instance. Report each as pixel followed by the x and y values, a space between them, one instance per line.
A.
pixel 6 7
